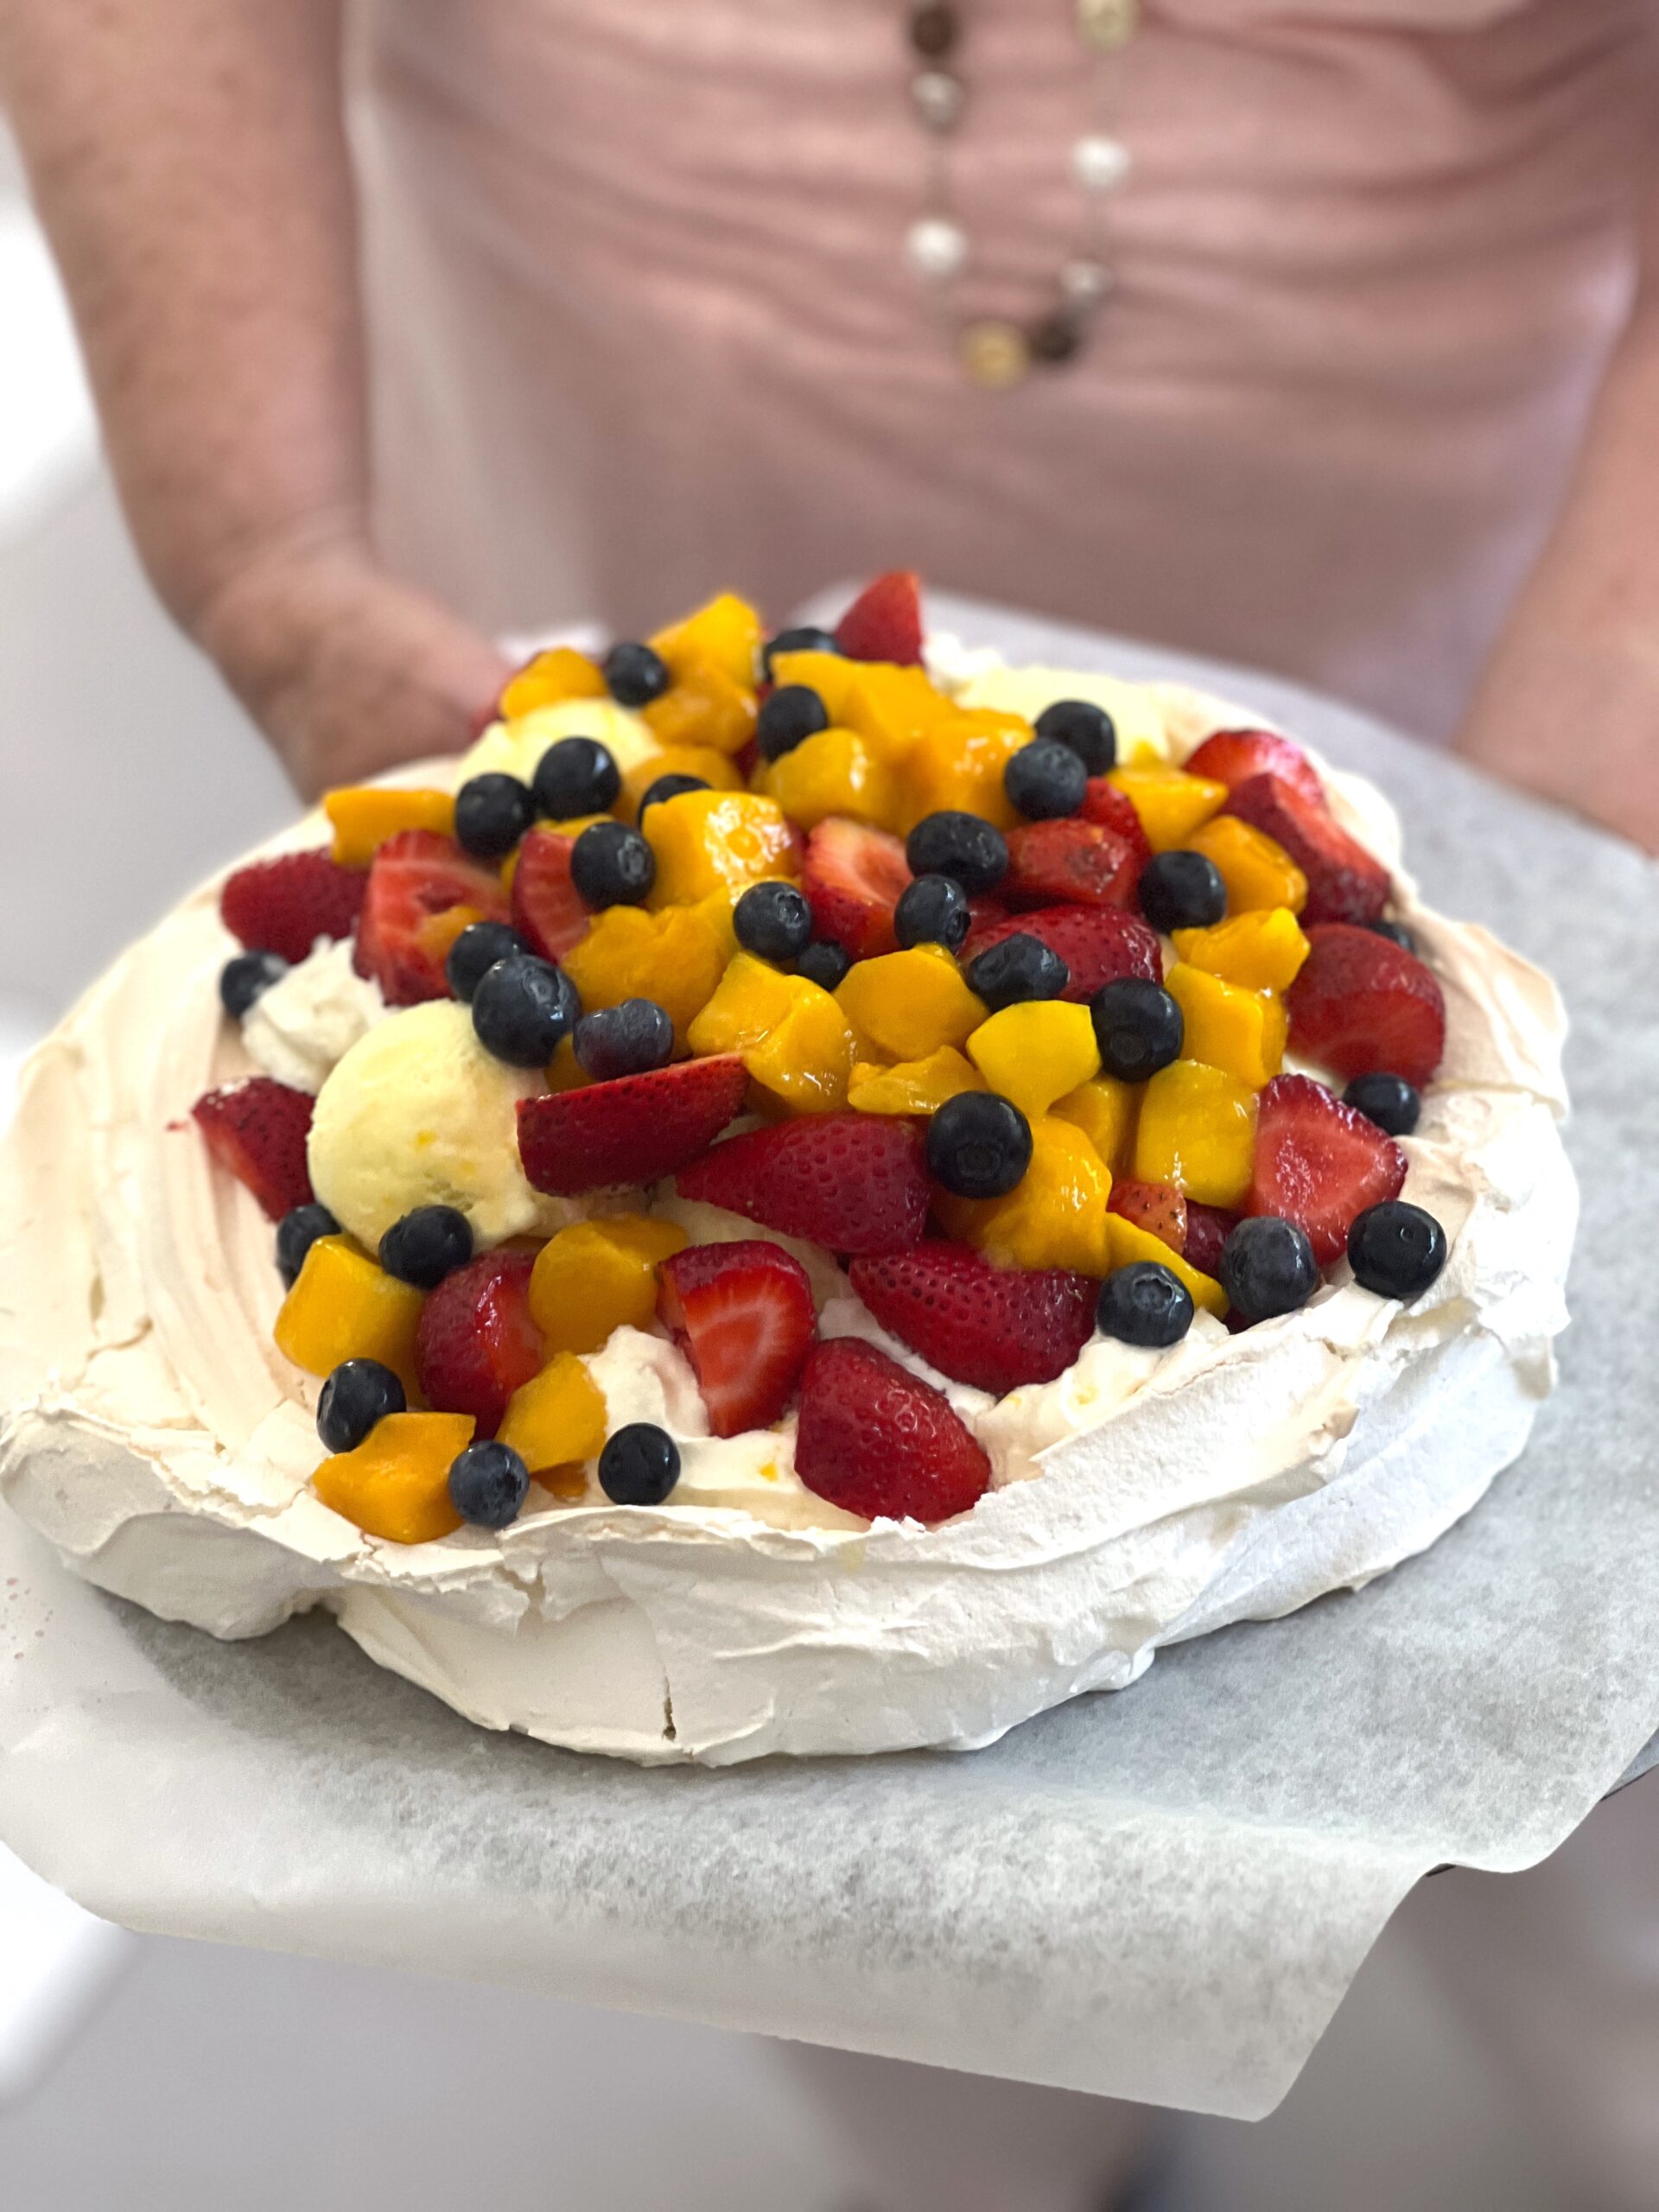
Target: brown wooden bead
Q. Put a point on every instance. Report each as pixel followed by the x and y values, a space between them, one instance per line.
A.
pixel 934 31
pixel 1054 339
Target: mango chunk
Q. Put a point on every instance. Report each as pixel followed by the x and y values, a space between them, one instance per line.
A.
pixel 363 817
pixel 344 1305
pixel 726 633
pixel 1255 868
pixel 1054 1216
pixel 893 708
pixel 831 675
pixel 832 773
pixel 704 707
pixel 1262 949
pixel 1105 1111
pixel 600 1276
pixel 913 1086
pixel 548 680
pixel 395 1484
pixel 1228 1027
pixel 717 841
pixel 676 956
pixel 961 767
pixel 1036 1051
pixel 794 1038
pixel 910 1003
pixel 717 770
pixel 1171 803
pixel 1196 1130
pixel 555 1419
pixel 1128 1242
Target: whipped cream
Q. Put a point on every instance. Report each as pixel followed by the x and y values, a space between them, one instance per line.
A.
pixel 302 1026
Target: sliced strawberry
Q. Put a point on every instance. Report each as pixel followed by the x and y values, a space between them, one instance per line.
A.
pixel 1159 1208
pixel 852 877
pixel 854 1182
pixel 634 1129
pixel 1207 1229
pixel 1233 756
pixel 1103 803
pixel 547 907
pixel 994 1327
pixel 1097 943
pixel 1363 1005
pixel 742 1314
pixel 257 1130
pixel 984 912
pixel 1319 1163
pixel 476 1344
pixel 414 876
pixel 876 1441
pixel 283 905
pixel 1345 883
pixel 885 621
pixel 1069 864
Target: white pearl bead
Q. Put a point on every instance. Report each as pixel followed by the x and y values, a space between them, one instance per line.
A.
pixel 1084 284
pixel 936 248
pixel 1100 164
pixel 938 97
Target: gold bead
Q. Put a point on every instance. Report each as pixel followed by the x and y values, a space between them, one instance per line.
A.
pixel 1108 24
pixel 994 353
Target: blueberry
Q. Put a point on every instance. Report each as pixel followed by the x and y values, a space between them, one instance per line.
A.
pixel 1046 780
pixel 640 1464
pixel 358 1394
pixel 244 977
pixel 576 776
pixel 521 1008
pixel 612 865
pixel 1395 932
pixel 1268 1267
pixel 635 674
pixel 823 964
pixel 669 786
pixel 1396 1249
pixel 1088 729
pixel 772 921
pixel 932 910
pixel 427 1244
pixel 1138 1027
pixel 1144 1304
pixel 487 1484
pixel 802 640
pixel 296 1232
pixel 492 814
pixel 631 1038
pixel 978 1145
pixel 1018 967
pixel 973 851
pixel 1388 1100
pixel 793 713
pixel 479 945
pixel 1182 890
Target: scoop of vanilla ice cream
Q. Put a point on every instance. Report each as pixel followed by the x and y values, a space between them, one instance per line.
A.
pixel 513 748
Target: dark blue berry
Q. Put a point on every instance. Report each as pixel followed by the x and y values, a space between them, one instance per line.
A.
pixel 358 1394
pixel 492 812
pixel 1395 932
pixel 1268 1267
pixel 631 1038
pixel 635 674
pixel 612 865
pixel 972 851
pixel 1144 1304
pixel 1088 729
pixel 1138 1027
pixel 793 713
pixel 932 910
pixel 823 964
pixel 1182 890
pixel 1396 1249
pixel 669 786
pixel 488 1482
pixel 1388 1100
pixel 478 947
pixel 244 977
pixel 1017 967
pixel 978 1145
pixel 640 1464
pixel 802 639
pixel 296 1232
pixel 1046 780
pixel 521 1008
pixel 427 1244
pixel 576 776
pixel 772 921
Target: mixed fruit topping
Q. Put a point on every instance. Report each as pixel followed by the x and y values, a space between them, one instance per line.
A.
pixel 1001 1006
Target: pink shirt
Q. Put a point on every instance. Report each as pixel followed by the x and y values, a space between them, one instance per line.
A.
pixel 643 328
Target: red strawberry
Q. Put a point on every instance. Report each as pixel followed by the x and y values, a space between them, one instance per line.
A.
pixel 852 877
pixel 415 877
pixel 994 1327
pixel 1159 1208
pixel 632 1130
pixel 742 1314
pixel 257 1130
pixel 1097 943
pixel 1103 803
pixel 1345 883
pixel 1319 1163
pixel 476 1344
pixel 1233 756
pixel 285 905
pixel 885 621
pixel 1363 1005
pixel 1069 864
pixel 875 1441
pixel 547 907
pixel 1207 1229
pixel 852 1182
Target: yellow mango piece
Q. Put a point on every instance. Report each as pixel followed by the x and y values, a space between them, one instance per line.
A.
pixel 832 773
pixel 832 676
pixel 1228 1027
pixel 1196 1130
pixel 1105 1110
pixel 913 1086
pixel 555 1419
pixel 1128 1242
pixel 1262 948
pixel 548 680
pixel 717 770
pixel 597 1277
pixel 395 1484
pixel 344 1305
pixel 794 1038
pixel 726 633
pixel 909 1003
pixel 893 708
pixel 363 817
pixel 1170 803
pixel 702 707
pixel 1054 1216
pixel 1255 868
pixel 959 765
pixel 676 956
pixel 564 1071
pixel 717 841
pixel 1036 1051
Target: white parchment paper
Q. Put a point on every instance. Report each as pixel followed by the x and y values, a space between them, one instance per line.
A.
pixel 1161 1894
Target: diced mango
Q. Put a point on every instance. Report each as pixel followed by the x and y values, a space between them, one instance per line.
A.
pixel 1196 1130
pixel 1036 1051
pixel 1105 1110
pixel 961 767
pixel 1228 1027
pixel 1128 1242
pixel 363 817
pixel 909 1003
pixel 548 680
pixel 702 707
pixel 564 1071
pixel 832 676
pixel 913 1086
pixel 676 956
pixel 832 773
pixel 893 708
pixel 726 633
pixel 717 770
pixel 1255 868
pixel 395 1484
pixel 1262 948
pixel 795 1040
pixel 344 1305
pixel 717 841
pixel 1170 803
pixel 597 1277
pixel 555 1419
pixel 1054 1216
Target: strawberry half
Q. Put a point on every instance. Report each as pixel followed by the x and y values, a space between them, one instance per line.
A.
pixel 875 1441
pixel 1207 1229
pixel 283 905
pixel 476 1344
pixel 634 1129
pixel 415 882
pixel 1233 756
pixel 1097 943
pixel 852 1182
pixel 853 876
pixel 258 1129
pixel 1319 1163
pixel 1363 1005
pixel 742 1314
pixel 1069 864
pixel 1159 1208
pixel 1345 883
pixel 885 621
pixel 994 1327
pixel 547 907
pixel 1112 808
